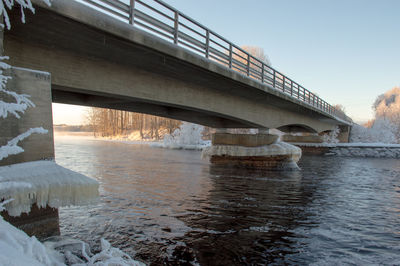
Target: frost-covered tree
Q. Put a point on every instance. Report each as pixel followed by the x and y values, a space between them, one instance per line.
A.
pixel 332 137
pixel 258 53
pixel 381 131
pixel 186 134
pixel 387 106
pixel 21 102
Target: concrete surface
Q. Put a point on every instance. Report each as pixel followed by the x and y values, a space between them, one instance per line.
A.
pixel 247 140
pixel 37 146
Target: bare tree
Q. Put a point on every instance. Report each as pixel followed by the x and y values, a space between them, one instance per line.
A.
pixel 108 123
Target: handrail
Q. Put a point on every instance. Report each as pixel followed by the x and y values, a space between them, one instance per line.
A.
pixel 190 34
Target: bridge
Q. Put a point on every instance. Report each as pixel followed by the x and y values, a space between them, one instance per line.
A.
pixel 151 58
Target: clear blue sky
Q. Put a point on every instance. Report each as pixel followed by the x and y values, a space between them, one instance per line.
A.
pixel 346 51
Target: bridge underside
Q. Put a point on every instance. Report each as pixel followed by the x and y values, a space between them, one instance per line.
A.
pixel 202 117
pixel 93 67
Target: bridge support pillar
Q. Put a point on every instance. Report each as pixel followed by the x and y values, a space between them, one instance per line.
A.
pixel 40 222
pixel 344 134
pixel 221 130
pixel 252 151
pixel 263 131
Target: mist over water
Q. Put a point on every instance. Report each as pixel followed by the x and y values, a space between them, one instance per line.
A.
pixel 169 206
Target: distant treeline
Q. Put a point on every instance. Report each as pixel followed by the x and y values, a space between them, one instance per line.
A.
pixel 109 123
pixel 77 128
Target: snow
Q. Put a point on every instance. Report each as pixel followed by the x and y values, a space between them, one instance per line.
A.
pixel 24 4
pixel 187 136
pixel 367 151
pixel 382 131
pixel 350 144
pixel 332 137
pixel 176 146
pixel 11 148
pixel 44 183
pixel 22 103
pixel 372 150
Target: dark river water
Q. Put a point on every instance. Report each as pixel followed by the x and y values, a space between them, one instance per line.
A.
pixel 170 207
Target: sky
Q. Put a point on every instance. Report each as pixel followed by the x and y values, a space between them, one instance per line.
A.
pixel 346 51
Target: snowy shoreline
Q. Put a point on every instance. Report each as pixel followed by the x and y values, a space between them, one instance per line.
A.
pixel 351 144
pixel 370 150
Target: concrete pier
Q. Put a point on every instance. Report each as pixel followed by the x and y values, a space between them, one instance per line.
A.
pixel 37 85
pixel 252 151
pixel 40 222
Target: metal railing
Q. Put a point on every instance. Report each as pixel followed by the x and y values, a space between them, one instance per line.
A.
pixel 161 19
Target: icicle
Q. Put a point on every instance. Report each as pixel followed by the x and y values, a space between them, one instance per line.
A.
pixel 44 183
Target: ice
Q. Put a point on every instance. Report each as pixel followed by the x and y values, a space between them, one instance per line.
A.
pixel 44 183
pixel 77 252
pixel 278 148
pixel 18 249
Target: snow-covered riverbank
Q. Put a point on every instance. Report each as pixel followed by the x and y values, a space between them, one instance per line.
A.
pixel 372 150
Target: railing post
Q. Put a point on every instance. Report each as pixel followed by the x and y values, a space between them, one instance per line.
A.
pixel 248 65
pixel 283 83
pixel 291 88
pixel 274 79
pixel 207 43
pixel 131 12
pixel 262 72
pixel 230 55
pixel 176 24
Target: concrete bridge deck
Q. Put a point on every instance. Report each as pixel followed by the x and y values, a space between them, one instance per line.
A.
pixel 98 60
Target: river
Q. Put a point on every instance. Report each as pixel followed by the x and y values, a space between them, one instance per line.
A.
pixel 170 207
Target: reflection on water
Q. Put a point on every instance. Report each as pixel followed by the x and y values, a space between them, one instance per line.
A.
pixel 169 206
